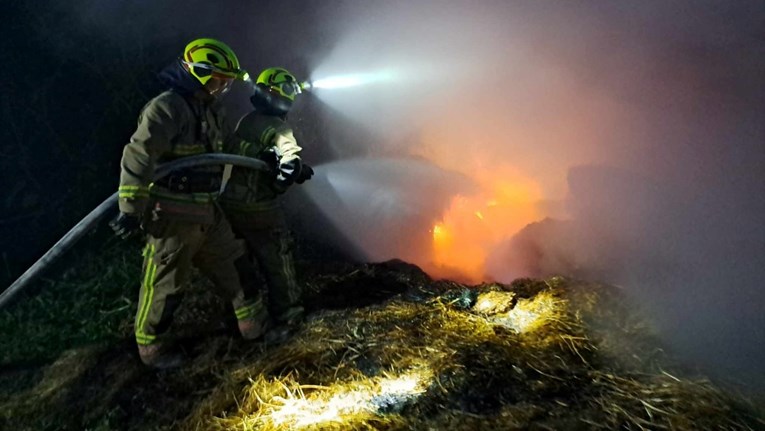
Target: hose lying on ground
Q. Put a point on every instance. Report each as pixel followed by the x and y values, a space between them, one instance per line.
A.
pixel 90 221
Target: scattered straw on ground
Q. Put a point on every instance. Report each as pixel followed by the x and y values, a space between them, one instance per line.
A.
pixel 386 348
pixel 506 357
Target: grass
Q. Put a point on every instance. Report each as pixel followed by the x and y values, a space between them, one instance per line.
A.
pixel 89 299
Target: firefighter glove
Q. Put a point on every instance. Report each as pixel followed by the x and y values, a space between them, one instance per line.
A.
pixel 125 225
pixel 288 172
pixel 305 174
pixel 271 159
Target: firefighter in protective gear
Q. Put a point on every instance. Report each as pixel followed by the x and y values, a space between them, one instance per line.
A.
pixel 250 199
pixel 178 213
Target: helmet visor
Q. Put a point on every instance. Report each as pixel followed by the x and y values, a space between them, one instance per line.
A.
pixel 290 88
pixel 217 72
pixel 219 85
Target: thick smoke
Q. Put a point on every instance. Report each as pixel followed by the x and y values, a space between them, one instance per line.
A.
pixel 643 120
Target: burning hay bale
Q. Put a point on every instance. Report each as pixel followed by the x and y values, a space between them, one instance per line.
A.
pixel 534 354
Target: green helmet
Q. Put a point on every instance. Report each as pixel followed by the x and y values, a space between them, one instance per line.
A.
pixel 281 81
pixel 207 57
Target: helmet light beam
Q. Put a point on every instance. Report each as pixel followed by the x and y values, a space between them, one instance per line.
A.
pixel 348 80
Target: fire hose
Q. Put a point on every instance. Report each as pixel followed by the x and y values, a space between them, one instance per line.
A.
pixel 92 219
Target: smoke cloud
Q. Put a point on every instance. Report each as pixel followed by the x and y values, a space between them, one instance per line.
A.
pixel 639 122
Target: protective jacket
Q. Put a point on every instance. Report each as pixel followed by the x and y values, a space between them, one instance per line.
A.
pixel 249 190
pixel 251 206
pixel 173 125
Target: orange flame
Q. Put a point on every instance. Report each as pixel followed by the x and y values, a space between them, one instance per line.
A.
pixel 474 225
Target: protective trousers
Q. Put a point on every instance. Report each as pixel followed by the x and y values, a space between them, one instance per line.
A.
pixel 173 247
pixel 270 244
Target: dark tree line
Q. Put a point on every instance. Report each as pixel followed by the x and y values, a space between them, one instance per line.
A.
pixel 69 101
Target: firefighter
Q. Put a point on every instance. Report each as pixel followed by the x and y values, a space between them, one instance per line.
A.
pixel 183 225
pixel 250 199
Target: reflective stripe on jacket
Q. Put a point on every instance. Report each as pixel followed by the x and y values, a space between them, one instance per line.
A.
pixel 170 127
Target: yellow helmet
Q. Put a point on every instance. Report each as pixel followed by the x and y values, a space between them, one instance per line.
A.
pixel 281 81
pixel 207 57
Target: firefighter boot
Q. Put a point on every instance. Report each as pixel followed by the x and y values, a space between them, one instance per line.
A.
pixel 252 328
pixel 292 317
pixel 286 325
pixel 156 356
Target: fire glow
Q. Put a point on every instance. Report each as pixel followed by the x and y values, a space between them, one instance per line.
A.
pixel 473 226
